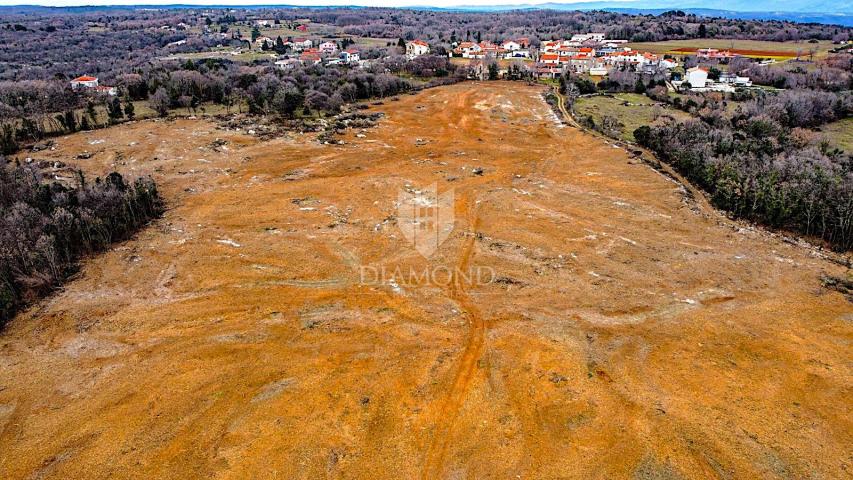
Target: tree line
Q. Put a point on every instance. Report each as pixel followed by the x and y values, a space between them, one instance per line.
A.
pixel 759 163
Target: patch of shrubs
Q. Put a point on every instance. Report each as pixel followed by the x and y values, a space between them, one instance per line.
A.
pixel 46 227
pixel 757 167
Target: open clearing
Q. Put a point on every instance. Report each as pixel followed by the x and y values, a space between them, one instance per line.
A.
pixel 748 48
pixel 632 111
pixel 629 333
pixel 840 133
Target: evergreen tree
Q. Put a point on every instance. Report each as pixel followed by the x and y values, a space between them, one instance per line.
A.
pixel 129 109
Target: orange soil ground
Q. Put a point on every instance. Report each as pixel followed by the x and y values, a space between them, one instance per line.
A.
pixel 632 335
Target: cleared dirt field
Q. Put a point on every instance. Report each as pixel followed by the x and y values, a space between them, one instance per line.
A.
pixel 629 333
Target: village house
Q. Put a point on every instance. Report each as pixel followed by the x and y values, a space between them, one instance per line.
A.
pixel 697 77
pixel 511 46
pixel 586 37
pixel 261 40
pixel 490 48
pixel 732 79
pixel 599 69
pixel 547 71
pixel 328 47
pixel 300 44
pixel 549 47
pixel 549 59
pixel 713 53
pixel 302 28
pixel 469 50
pixel 521 53
pixel 416 48
pixel 105 90
pixel 87 82
pixel 287 63
pixel 84 82
pixel 264 23
pixel 350 56
pixel 310 56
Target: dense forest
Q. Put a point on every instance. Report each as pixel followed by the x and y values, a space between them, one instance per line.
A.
pixel 46 227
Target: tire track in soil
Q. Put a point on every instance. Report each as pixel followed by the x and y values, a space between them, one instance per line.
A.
pixel 449 411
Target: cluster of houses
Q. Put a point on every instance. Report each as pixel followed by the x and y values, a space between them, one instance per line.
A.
pixel 508 49
pixel 587 53
pixel 593 54
pixel 328 53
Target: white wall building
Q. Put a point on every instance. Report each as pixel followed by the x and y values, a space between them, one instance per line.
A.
pixel 697 77
pixel 416 48
pixel 328 47
pixel 511 46
pixel 84 82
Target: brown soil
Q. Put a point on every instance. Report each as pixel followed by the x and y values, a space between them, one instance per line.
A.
pixel 629 334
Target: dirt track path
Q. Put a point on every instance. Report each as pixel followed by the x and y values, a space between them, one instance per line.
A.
pixel 434 464
pixel 626 335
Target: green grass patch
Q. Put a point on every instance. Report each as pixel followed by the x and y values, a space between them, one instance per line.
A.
pixel 840 134
pixel 631 110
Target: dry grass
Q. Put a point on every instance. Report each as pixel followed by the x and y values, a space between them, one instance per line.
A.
pixel 752 48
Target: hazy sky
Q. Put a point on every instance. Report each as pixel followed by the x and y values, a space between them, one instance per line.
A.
pixel 372 3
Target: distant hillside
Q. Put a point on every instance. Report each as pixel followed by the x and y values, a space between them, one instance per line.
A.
pixel 817 11
pixel 819 6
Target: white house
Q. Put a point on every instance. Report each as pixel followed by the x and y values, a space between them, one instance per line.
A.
pixel 599 70
pixel 84 82
pixel 668 64
pixel 583 37
pixel 735 80
pixel 469 50
pixel 416 48
pixel 350 55
pixel 302 43
pixel 328 47
pixel 697 77
pixel 550 59
pixel 287 63
pixel 111 91
pixel 517 54
pixel 91 83
pixel 511 46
